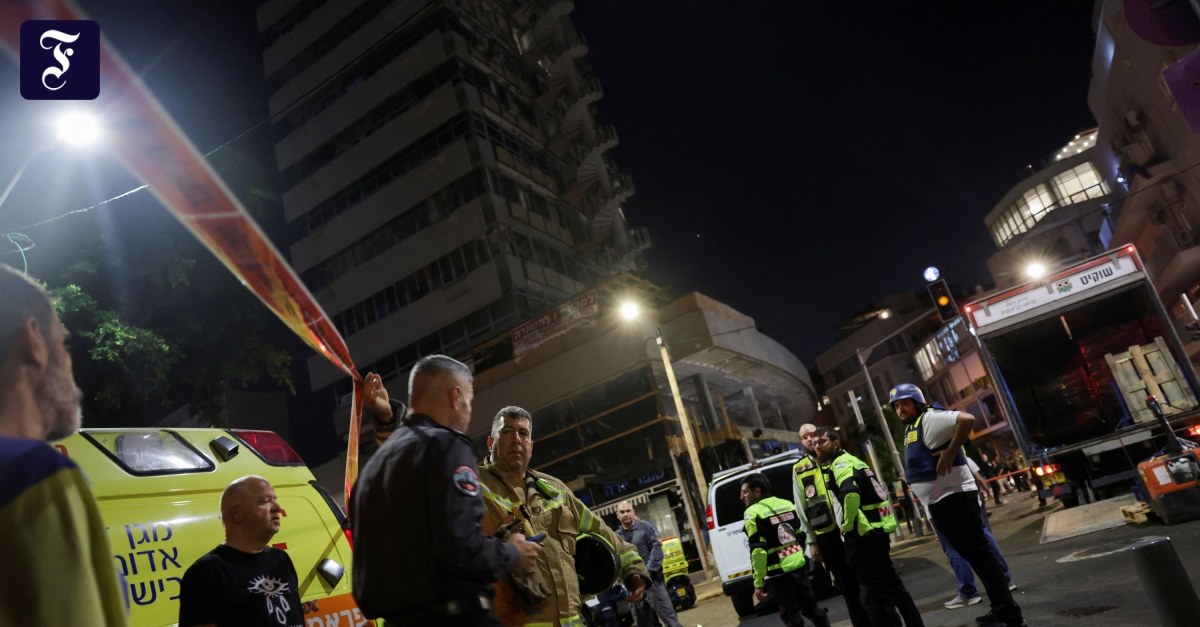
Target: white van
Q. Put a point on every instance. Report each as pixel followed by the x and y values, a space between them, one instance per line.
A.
pixel 727 537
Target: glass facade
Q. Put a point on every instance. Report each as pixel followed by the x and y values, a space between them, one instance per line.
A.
pixel 1076 185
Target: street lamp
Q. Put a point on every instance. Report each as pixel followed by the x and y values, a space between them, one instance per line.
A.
pixel 1035 270
pixel 630 311
pixel 77 129
pixel 74 129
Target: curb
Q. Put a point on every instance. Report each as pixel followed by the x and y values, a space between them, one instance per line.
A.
pixel 711 594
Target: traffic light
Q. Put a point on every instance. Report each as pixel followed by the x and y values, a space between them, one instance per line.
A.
pixel 943 300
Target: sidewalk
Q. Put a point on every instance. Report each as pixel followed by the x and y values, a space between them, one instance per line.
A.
pixel 709 589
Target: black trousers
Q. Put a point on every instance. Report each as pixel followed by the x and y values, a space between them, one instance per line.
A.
pixel 880 588
pixel 960 518
pixel 796 600
pixel 833 553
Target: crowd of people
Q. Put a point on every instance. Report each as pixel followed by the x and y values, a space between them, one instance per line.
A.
pixel 440 540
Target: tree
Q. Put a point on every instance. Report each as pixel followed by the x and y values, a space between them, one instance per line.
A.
pixel 157 321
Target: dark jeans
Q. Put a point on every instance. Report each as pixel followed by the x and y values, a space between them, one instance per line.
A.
pixel 795 596
pixel 880 587
pixel 959 517
pixel 833 553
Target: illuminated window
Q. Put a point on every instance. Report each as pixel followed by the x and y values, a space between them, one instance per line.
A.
pixel 1079 183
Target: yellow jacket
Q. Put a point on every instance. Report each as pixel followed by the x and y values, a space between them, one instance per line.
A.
pixel 553 510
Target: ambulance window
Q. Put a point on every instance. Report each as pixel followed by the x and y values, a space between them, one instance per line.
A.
pixel 150 453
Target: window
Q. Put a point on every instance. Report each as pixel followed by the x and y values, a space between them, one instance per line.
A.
pixel 147 454
pixel 1078 184
pixel 441 272
pixel 729 507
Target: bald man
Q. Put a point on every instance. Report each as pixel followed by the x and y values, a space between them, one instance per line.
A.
pixel 644 536
pixel 243 582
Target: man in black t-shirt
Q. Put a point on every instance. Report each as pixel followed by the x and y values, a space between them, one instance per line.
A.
pixel 243 582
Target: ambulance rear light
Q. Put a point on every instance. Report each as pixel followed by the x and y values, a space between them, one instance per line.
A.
pixel 708 515
pixel 268 445
pixel 349 538
pixel 1194 431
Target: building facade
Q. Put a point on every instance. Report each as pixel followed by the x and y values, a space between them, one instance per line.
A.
pixel 445 175
pixel 1059 215
pixel 1147 152
pixel 604 419
pixel 904 341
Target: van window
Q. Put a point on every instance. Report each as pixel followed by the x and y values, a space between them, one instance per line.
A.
pixel 154 453
pixel 729 508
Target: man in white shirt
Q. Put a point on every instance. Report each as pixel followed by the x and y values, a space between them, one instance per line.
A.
pixel 937 470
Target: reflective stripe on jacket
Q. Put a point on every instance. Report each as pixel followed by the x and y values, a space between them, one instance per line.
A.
pixel 771 526
pixel 874 510
pixel 549 508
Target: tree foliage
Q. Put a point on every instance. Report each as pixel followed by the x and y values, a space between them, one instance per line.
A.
pixel 157 322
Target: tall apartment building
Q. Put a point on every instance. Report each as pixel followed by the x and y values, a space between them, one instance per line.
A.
pixel 445 175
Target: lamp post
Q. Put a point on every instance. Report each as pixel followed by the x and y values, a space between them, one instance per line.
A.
pixel 74 129
pixel 887 431
pixel 631 311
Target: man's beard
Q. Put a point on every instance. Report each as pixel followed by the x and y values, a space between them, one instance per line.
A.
pixel 826 456
pixel 58 402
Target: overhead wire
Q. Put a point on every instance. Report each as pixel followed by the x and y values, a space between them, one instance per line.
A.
pixel 284 111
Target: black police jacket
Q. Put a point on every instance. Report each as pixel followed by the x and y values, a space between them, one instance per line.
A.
pixel 415 515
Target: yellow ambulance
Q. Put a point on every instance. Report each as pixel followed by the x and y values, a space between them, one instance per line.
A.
pixel 159 492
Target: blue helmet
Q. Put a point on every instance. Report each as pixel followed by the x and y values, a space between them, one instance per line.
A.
pixel 906 390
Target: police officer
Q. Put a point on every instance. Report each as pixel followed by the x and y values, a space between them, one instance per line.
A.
pixel 867 521
pixel 777 553
pixel 420 555
pixel 937 470
pixel 814 491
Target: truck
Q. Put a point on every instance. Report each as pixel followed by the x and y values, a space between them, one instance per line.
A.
pixel 1073 357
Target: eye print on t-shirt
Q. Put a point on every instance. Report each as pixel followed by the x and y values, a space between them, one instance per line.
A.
pixel 273 589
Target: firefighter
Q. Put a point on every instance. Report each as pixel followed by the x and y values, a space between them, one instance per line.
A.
pixel 937 470
pixel 814 495
pixel 867 521
pixel 542 504
pixel 777 553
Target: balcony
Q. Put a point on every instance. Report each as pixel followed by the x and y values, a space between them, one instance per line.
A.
pixel 625 254
pixel 585 157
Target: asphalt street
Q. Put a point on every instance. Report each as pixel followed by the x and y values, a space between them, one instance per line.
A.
pixel 1086 580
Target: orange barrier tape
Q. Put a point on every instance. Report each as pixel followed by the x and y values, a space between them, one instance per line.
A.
pixel 145 138
pixel 997 477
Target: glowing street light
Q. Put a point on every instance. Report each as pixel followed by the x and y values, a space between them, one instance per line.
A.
pixel 630 311
pixel 77 129
pixel 73 129
pixel 1035 270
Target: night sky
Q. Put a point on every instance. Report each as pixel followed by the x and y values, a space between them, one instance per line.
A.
pixel 794 160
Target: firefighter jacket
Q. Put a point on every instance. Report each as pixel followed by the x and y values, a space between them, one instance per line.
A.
pixel 771 526
pixel 865 504
pixel 549 507
pixel 814 496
